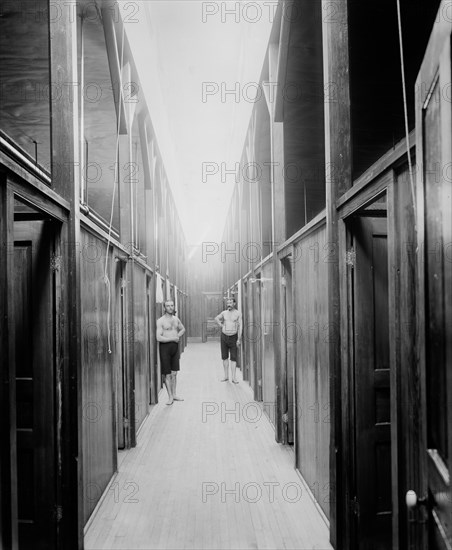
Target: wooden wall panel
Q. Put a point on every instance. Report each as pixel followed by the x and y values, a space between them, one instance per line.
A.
pixel 97 374
pixel 313 338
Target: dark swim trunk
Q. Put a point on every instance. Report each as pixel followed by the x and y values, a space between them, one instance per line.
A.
pixel 169 357
pixel 229 344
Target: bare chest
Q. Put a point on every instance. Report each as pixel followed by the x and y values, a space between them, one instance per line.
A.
pixel 231 316
pixel 169 324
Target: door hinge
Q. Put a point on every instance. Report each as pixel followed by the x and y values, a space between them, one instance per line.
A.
pixel 350 257
pixel 355 506
pixel 58 512
pixel 55 262
pixel 122 285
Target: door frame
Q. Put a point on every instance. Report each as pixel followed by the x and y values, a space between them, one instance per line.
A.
pixel 120 395
pixel 204 307
pixel 12 186
pixel 152 345
pixel 382 186
pixel 285 259
pixel 258 347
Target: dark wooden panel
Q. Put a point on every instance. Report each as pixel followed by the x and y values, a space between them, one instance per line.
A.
pixel 119 358
pixel 35 384
pixel 248 334
pixel 313 336
pixel 154 385
pixel 255 333
pixel 97 376
pixel 372 384
pixel 288 345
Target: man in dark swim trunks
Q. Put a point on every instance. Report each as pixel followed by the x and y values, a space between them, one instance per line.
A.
pixel 230 322
pixel 169 330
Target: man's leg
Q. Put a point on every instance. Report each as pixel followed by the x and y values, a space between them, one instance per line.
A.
pixel 175 396
pixel 225 356
pixel 168 385
pixel 226 370
pixel 233 367
pixel 234 359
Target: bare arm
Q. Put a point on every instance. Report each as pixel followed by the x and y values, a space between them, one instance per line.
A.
pixel 159 334
pixel 219 319
pixel 181 328
pixel 239 329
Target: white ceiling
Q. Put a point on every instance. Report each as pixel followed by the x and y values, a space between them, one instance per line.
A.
pixel 179 46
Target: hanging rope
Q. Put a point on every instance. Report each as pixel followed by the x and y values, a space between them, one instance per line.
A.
pixel 106 278
pixel 405 108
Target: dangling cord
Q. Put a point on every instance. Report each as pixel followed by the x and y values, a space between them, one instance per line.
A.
pixel 405 109
pixel 106 279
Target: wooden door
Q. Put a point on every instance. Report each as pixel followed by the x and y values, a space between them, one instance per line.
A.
pixel 248 333
pixel 257 336
pixel 121 394
pixel 289 350
pixel 434 222
pixel 152 344
pixel 33 298
pixel 245 342
pixel 371 391
pixel 212 306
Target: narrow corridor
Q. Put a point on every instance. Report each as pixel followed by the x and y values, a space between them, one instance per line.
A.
pixel 207 473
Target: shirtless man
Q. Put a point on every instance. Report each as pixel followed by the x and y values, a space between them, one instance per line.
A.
pixel 230 322
pixel 169 330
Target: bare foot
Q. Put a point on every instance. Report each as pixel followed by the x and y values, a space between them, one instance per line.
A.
pixel 235 381
pixel 176 398
pixel 225 379
pixel 170 401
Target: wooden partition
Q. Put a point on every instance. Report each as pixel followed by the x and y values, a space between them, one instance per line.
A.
pixel 313 336
pixel 98 374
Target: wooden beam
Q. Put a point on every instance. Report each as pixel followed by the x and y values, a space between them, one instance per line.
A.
pixel 8 460
pixel 310 227
pixel 338 180
pixel 114 45
pixel 64 132
pixel 386 162
pixel 29 192
pixel 278 237
pixel 20 174
pixel 283 54
pixel 367 195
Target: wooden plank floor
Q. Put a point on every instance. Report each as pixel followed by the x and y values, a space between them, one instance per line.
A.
pixel 207 473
